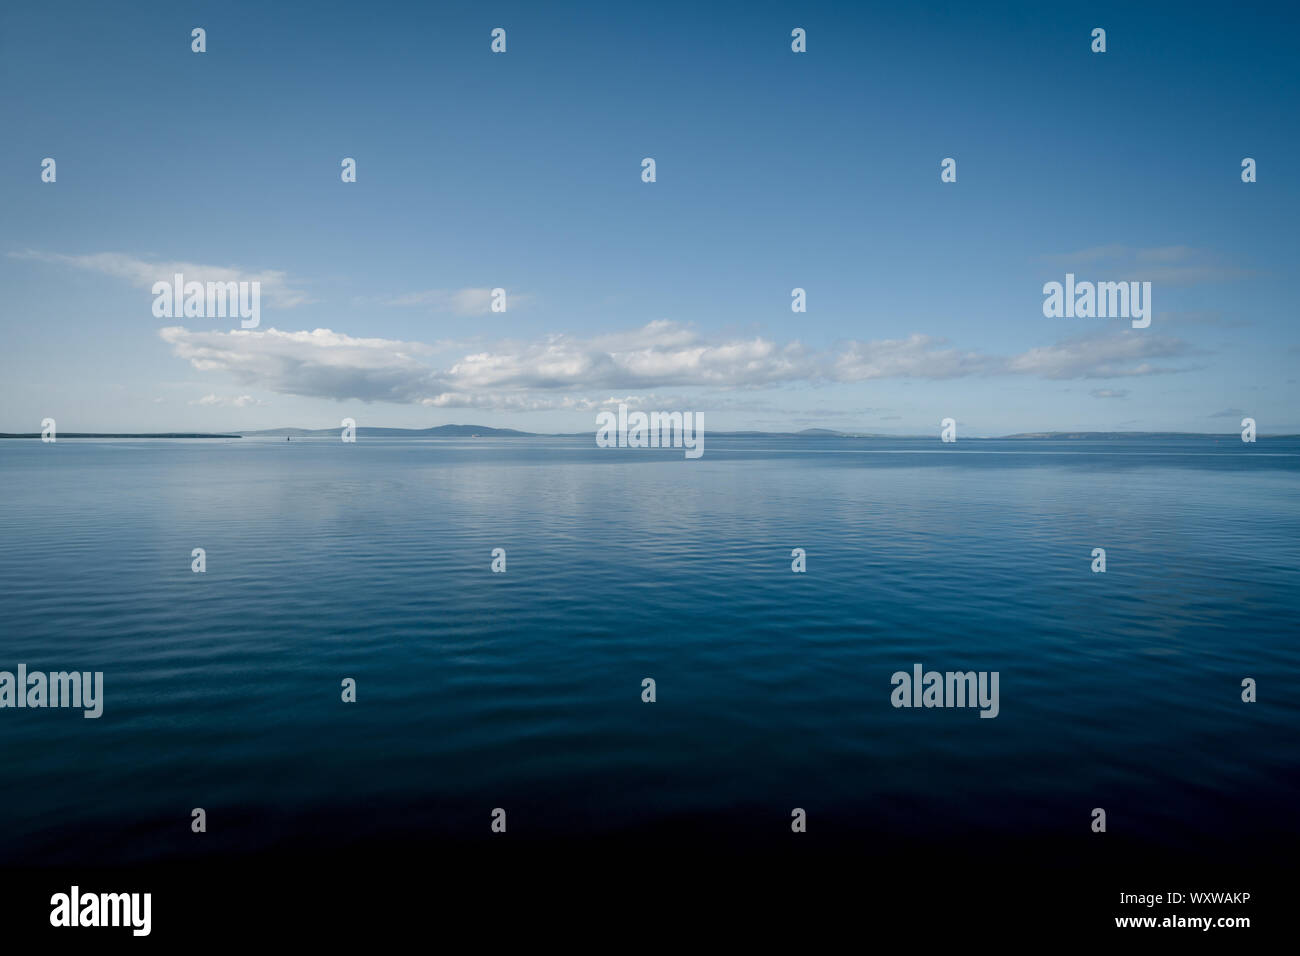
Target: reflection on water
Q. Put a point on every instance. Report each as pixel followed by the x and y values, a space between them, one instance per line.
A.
pixel 476 690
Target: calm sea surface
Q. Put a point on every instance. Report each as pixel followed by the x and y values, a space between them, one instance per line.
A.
pixel 522 690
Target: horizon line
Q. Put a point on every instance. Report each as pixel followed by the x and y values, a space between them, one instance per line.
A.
pixel 488 431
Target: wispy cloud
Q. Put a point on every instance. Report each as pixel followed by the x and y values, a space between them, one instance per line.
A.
pixel 1167 265
pixel 1122 354
pixel 917 356
pixel 277 288
pixel 468 301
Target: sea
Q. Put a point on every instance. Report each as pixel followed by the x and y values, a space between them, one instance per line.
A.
pixel 523 689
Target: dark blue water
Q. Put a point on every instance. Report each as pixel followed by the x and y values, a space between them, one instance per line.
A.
pixel 523 690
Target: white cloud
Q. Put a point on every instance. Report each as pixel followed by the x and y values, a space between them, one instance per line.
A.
pixel 554 372
pixel 217 401
pixel 319 363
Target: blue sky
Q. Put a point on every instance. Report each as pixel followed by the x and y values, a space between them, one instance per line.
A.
pixel 775 170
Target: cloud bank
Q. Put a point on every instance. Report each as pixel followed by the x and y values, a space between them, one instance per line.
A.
pixel 556 371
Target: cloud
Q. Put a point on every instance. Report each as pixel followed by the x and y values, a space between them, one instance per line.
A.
pixel 1109 393
pixel 663 356
pixel 1165 265
pixel 216 401
pixel 320 363
pixel 918 356
pixel 566 372
pixel 468 301
pixel 511 402
pixel 277 288
pixel 1123 354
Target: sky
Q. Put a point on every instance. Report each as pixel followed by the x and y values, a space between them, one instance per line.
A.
pixel 775 170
